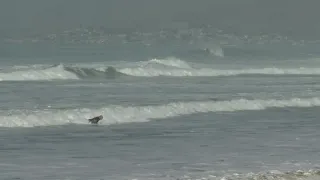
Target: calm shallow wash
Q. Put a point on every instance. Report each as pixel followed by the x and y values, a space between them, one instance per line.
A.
pixel 191 104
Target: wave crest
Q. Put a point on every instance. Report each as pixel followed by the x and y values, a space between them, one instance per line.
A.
pixel 109 72
pixel 172 62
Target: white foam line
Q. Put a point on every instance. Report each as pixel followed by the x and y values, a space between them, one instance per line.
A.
pixel 119 114
pixel 38 74
pixel 150 72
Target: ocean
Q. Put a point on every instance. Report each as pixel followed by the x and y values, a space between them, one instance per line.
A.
pixel 196 103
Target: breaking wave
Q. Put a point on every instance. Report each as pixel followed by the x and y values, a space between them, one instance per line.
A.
pixel 150 72
pixel 172 61
pixel 171 67
pixel 37 74
pixel 121 114
pixel 58 72
pixel 109 72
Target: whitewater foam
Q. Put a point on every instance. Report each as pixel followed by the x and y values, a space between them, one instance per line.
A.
pixel 150 72
pixel 30 74
pixel 171 61
pixel 119 114
pixel 271 175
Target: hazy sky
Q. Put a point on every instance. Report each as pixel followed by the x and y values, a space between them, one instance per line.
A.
pixel 245 15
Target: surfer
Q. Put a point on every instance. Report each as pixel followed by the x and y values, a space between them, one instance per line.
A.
pixel 96 119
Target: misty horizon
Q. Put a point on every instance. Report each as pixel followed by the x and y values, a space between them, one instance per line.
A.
pixel 247 16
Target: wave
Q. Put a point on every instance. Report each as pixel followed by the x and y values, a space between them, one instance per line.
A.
pixel 171 62
pixel 203 72
pixel 121 114
pixel 58 72
pixel 109 72
pixel 170 67
pixel 37 74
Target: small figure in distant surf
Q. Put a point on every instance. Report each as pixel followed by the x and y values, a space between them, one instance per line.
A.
pixel 96 119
